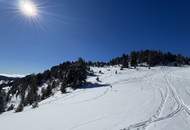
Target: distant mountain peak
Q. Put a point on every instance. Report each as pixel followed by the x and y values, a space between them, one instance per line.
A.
pixel 13 75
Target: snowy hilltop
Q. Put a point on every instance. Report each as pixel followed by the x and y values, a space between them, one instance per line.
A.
pixel 144 90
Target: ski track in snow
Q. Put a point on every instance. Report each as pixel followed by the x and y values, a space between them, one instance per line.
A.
pixel 181 106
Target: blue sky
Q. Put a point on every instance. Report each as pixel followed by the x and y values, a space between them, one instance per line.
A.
pixel 92 29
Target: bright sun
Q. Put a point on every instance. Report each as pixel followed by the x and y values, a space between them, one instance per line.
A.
pixel 28 8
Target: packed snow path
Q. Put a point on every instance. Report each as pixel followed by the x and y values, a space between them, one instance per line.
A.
pixel 143 99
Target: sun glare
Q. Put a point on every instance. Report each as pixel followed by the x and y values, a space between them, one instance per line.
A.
pixel 33 12
pixel 28 8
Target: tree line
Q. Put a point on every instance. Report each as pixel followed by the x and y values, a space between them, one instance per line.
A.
pixel 67 74
pixel 145 57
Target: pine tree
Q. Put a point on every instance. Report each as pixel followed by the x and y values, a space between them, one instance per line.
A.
pixel 125 61
pixel 32 92
pixel 2 101
pixel 134 59
pixel 63 88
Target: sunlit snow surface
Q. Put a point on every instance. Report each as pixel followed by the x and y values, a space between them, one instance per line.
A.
pixel 143 99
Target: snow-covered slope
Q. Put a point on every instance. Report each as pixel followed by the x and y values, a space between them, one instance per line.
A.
pixel 155 99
